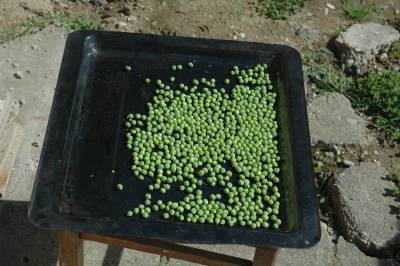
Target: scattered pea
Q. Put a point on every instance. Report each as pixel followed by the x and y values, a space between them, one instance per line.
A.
pixel 188 136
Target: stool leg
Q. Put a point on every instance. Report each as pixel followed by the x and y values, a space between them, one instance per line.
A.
pixel 264 257
pixel 70 249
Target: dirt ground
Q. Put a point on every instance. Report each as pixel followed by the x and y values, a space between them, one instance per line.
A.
pixel 310 29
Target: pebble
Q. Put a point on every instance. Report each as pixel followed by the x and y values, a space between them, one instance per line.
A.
pixel 330 6
pixel 122 25
pixel 18 75
pixel 348 163
pixel 36 144
pixel 326 11
pixel 101 2
pixel 383 57
pixel 14 65
pixel 242 35
pixel 365 152
pixel 376 152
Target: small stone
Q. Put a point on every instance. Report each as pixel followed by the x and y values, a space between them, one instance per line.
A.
pixel 14 65
pixel 365 152
pixel 348 163
pixel 326 11
pixel 36 144
pixel 122 25
pixel 376 152
pixel 242 35
pixel 396 11
pixel 100 2
pixel 330 6
pixel 18 75
pixel 383 57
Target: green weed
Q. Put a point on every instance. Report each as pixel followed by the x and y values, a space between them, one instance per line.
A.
pixel 322 70
pixel 378 95
pixel 73 23
pixel 396 180
pixel 65 19
pixel 278 9
pixel 356 10
pixel 395 50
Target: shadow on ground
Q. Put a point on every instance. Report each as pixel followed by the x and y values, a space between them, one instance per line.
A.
pixel 22 243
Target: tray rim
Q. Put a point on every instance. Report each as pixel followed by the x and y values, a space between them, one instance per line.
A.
pixel 42 214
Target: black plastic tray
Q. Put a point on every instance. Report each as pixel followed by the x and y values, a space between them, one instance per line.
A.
pixel 84 152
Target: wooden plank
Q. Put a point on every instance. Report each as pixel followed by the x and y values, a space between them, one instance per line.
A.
pixel 70 249
pixel 264 257
pixel 168 250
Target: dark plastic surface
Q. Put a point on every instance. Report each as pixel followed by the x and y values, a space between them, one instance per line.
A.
pixel 84 152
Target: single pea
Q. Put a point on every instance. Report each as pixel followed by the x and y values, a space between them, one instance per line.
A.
pixel 128 68
pixel 190 64
pixel 129 213
pixel 172 79
pixel 179 67
pixel 147 80
pixel 119 187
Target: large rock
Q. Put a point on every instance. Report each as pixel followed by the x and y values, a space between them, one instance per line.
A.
pixel 360 44
pixel 333 120
pixel 364 205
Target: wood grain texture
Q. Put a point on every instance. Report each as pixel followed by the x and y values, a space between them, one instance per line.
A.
pixel 70 249
pixel 264 257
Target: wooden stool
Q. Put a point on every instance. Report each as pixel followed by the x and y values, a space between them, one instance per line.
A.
pixel 71 250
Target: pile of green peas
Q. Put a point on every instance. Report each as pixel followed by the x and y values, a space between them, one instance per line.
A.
pixel 217 146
